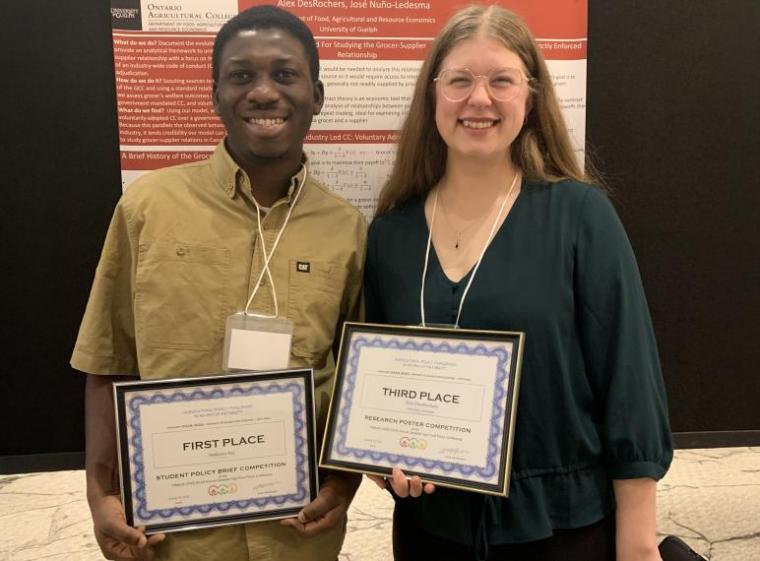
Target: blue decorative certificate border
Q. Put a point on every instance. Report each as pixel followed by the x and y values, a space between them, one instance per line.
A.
pixel 133 412
pixel 469 472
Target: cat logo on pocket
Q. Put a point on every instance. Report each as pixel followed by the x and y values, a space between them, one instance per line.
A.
pixel 303 266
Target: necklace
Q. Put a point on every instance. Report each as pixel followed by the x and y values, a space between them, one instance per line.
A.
pixel 478 220
pixel 458 233
pixel 477 265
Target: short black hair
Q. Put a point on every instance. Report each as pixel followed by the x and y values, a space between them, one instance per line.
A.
pixel 266 17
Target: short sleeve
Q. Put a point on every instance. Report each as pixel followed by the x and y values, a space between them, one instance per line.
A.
pixel 619 346
pixel 106 340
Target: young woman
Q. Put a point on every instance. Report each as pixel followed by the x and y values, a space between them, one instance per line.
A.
pixel 487 202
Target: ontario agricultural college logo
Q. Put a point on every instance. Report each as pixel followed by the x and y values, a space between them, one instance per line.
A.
pixel 414 443
pixel 222 489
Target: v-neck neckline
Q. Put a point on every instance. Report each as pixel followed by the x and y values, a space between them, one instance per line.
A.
pixel 497 235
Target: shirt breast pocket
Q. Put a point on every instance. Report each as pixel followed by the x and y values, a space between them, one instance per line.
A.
pixel 315 291
pixel 180 295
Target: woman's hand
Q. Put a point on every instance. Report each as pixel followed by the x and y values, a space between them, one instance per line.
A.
pixel 402 485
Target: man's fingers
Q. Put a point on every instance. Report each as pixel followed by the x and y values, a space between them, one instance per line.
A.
pixel 120 532
pixel 292 522
pixel 124 543
pixel 321 505
pixel 318 515
pixel 153 539
pixel 156 539
pixel 122 553
pixel 146 552
pixel 116 551
pixel 327 509
pixel 329 520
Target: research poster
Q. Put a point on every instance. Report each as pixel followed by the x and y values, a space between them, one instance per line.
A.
pixel 370 54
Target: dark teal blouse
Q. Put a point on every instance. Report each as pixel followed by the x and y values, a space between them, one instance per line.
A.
pixel 591 406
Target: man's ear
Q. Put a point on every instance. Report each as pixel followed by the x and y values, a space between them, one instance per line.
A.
pixel 215 97
pixel 319 96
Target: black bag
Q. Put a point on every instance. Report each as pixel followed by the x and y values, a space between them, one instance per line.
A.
pixel 673 548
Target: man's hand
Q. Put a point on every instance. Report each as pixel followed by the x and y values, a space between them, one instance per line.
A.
pixel 329 509
pixel 118 541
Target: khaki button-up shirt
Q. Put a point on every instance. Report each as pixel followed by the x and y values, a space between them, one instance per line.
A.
pixel 182 253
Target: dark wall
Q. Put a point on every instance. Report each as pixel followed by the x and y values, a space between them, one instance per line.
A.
pixel 673 115
pixel 60 181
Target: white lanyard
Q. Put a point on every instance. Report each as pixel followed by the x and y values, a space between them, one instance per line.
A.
pixel 268 256
pixel 480 259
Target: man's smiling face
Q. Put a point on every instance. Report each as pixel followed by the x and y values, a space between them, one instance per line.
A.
pixel 265 96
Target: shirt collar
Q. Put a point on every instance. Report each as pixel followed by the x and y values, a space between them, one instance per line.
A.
pixel 298 178
pixel 231 177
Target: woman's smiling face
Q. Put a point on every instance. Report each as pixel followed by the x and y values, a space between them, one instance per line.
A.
pixel 480 126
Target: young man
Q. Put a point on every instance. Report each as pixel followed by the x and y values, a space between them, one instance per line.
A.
pixel 184 252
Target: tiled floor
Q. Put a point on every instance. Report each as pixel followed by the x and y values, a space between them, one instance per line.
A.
pixel 711 498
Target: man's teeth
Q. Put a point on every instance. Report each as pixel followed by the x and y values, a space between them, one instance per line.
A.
pixel 478 124
pixel 266 122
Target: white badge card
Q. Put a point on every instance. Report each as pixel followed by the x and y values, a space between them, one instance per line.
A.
pixel 257 343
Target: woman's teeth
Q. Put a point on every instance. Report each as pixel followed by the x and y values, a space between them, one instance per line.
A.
pixel 478 124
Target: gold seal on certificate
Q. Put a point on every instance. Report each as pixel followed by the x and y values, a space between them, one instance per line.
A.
pixel 438 403
pixel 211 451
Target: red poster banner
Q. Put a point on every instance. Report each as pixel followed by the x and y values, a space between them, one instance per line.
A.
pixel 557 19
pixel 370 54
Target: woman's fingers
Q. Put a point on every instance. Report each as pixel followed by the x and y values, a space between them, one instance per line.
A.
pixel 405 486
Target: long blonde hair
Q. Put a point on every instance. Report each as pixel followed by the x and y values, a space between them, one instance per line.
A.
pixel 542 149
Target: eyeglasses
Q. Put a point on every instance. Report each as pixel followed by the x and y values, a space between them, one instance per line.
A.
pixel 502 84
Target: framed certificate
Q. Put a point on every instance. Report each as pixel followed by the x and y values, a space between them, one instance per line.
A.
pixel 438 403
pixel 211 451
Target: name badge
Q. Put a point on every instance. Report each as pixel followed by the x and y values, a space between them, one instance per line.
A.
pixel 256 343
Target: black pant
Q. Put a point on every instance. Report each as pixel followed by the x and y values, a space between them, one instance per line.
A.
pixel 589 543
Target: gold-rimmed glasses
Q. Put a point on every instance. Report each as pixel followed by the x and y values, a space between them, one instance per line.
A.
pixel 502 84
